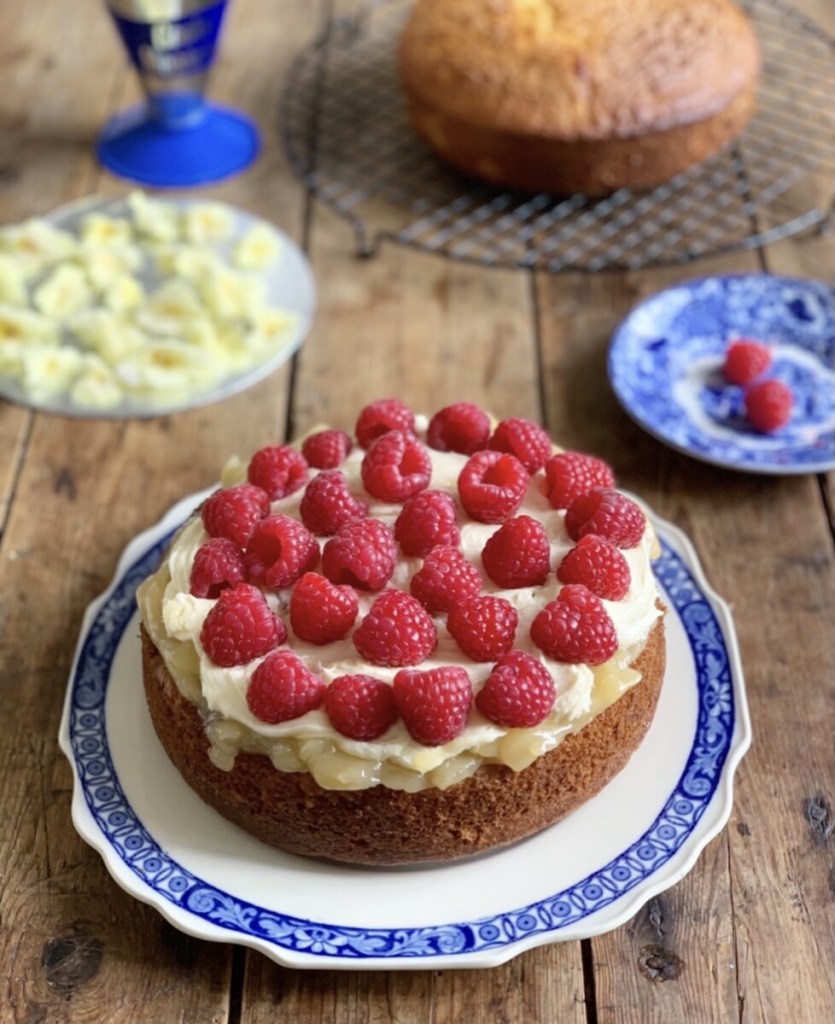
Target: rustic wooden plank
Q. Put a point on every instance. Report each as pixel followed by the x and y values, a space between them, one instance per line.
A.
pixel 766 547
pixel 44 150
pixel 72 944
pixel 431 332
pixel 14 427
pixel 685 936
pixel 541 985
pixel 781 850
pixel 75 947
pixel 72 941
pixel 60 69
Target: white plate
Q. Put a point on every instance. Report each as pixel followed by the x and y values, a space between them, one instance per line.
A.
pixel 585 875
pixel 665 365
pixel 289 287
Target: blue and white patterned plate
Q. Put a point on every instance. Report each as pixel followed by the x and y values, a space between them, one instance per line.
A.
pixel 665 365
pixel 585 875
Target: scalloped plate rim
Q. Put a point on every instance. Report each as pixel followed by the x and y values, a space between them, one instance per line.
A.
pixel 635 414
pixel 717 811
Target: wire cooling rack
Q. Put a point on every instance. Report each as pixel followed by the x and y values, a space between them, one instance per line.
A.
pixel 347 137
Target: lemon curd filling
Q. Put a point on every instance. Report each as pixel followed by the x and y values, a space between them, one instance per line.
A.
pixel 174 618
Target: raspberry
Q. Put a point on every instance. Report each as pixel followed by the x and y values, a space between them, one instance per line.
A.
pixel 462 427
pixel 607 513
pixel 321 611
pixel 519 692
pixel 234 511
pixel 240 627
pixel 745 360
pixel 326 449
pixel 768 405
pixel 282 688
pixel 396 466
pixel 517 554
pixel 218 565
pixel 434 703
pixel 491 486
pixel 597 564
pixel 444 578
pixel 277 469
pixel 569 475
pixel 362 553
pixel 575 628
pixel 327 503
pixel 426 519
pixel 483 627
pixel 396 631
pixel 381 416
pixel 280 550
pixel 360 707
pixel 524 439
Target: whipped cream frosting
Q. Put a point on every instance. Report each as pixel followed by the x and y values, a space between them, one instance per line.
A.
pixel 174 618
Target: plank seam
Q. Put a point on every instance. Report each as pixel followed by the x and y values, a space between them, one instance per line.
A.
pixel 589 986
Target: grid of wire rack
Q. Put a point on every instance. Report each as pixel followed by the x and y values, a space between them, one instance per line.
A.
pixel 346 135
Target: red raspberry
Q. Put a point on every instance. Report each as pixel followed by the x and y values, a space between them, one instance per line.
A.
pixel 575 628
pixel 396 466
pixel 218 565
pixel 745 360
pixel 434 703
pixel 277 469
pixel 607 513
pixel 280 550
pixel 444 578
pixel 570 475
pixel 491 486
pixel 233 512
pixel 427 519
pixel 519 692
pixel 597 564
pixel 360 707
pixel 326 449
pixel 327 503
pixel 518 554
pixel 768 405
pixel 321 611
pixel 524 439
pixel 381 416
pixel 282 688
pixel 362 553
pixel 462 427
pixel 240 627
pixel 483 627
pixel 396 631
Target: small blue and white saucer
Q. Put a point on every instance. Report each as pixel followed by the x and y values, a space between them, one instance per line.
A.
pixel 665 365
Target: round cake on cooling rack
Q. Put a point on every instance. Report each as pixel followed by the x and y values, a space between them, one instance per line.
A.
pixel 549 96
pixel 419 642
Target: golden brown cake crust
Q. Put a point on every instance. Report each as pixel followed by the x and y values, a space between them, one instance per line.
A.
pixel 563 97
pixel 492 808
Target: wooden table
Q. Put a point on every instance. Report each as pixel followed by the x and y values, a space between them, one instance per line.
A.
pixel 747 935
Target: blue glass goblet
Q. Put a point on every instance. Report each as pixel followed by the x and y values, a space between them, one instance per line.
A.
pixel 176 137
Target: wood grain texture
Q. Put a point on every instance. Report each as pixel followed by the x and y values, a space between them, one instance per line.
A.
pixel 71 942
pixel 766 545
pixel 747 936
pixel 662 966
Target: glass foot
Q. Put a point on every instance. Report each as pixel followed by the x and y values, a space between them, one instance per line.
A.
pixel 220 143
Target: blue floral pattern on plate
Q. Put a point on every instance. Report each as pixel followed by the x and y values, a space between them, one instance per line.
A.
pixel 137 859
pixel 665 365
